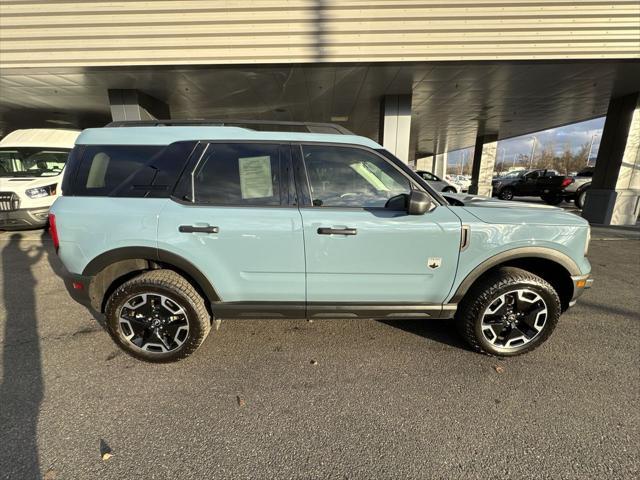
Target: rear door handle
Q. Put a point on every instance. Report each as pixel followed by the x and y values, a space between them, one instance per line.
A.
pixel 196 229
pixel 337 231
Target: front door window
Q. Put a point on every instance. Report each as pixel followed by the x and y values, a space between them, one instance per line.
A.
pixel 350 177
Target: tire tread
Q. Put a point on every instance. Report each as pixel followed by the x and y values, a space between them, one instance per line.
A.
pixel 167 279
pixel 473 304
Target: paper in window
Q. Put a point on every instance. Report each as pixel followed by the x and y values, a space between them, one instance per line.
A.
pixel 255 177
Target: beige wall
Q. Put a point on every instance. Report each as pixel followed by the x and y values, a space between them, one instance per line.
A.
pixel 76 33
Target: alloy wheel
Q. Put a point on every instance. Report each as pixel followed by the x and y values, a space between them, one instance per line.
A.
pixel 514 319
pixel 153 322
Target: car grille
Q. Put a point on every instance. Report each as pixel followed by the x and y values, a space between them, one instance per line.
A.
pixel 9 201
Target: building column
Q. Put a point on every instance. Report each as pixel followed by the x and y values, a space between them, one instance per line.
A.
pixel 136 105
pixel 614 196
pixel 396 125
pixel 439 165
pixel 424 162
pixel 484 161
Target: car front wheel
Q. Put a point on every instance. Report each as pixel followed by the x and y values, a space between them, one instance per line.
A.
pixel 158 317
pixel 509 312
pixel 449 190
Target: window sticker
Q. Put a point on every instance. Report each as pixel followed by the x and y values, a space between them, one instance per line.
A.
pixel 255 177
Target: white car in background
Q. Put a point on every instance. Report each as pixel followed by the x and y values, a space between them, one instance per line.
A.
pixel 31 169
pixel 441 185
pixel 463 182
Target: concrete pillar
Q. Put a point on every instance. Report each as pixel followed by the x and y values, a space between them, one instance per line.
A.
pixel 614 196
pixel 484 160
pixel 423 163
pixel 136 105
pixel 396 125
pixel 439 165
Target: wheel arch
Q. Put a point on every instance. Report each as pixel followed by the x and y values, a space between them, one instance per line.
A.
pixel 551 265
pixel 582 188
pixel 111 269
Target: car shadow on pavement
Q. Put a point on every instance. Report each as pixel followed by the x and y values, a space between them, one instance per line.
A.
pixel 442 331
pixel 22 388
pixel 624 312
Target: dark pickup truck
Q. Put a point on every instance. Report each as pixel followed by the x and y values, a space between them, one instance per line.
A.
pixel 546 184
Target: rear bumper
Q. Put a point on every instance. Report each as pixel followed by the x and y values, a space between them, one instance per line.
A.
pixel 24 218
pixel 78 287
pixel 580 284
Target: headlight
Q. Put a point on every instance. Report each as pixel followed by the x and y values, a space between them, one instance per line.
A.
pixel 586 245
pixel 39 192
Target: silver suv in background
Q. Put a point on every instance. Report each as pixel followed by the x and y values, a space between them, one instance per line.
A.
pixel 577 190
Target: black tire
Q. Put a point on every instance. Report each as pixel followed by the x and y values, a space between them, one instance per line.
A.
pixel 580 198
pixel 481 296
pixel 179 291
pixel 506 194
pixel 552 198
pixel 449 190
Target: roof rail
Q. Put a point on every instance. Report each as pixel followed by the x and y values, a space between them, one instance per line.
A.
pixel 263 125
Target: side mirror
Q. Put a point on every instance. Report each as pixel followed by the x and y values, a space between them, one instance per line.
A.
pixel 418 203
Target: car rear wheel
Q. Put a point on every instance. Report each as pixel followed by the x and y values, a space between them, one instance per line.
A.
pixel 552 198
pixel 449 190
pixel 509 312
pixel 506 194
pixel 158 317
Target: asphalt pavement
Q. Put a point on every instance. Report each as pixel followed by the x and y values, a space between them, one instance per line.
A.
pixel 327 399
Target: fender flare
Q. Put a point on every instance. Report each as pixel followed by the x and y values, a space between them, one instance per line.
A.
pixel 522 252
pixel 102 261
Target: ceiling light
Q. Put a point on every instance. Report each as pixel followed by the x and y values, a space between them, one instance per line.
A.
pixel 338 118
pixel 59 122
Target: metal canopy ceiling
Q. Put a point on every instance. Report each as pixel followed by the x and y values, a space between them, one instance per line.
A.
pixel 451 102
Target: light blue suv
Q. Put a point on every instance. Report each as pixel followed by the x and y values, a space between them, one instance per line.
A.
pixel 166 228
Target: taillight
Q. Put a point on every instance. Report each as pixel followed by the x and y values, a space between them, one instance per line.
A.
pixel 566 182
pixel 53 231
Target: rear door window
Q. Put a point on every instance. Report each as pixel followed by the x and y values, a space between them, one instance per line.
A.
pixel 239 174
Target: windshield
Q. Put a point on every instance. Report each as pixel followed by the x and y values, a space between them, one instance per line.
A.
pixel 31 162
pixel 514 174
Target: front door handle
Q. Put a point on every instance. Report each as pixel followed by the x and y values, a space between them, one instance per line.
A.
pixel 337 231
pixel 196 229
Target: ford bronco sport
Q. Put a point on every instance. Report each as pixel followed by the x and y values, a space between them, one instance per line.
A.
pixel 164 228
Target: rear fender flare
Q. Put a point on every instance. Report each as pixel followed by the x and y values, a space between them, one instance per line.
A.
pixel 149 254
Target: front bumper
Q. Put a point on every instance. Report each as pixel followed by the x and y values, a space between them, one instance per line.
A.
pixel 24 218
pixel 580 284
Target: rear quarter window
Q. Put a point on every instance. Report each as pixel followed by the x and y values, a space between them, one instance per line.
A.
pixel 127 170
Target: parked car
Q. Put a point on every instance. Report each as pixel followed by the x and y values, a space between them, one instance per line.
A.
pixel 439 184
pixel 546 184
pixel 577 190
pixel 31 169
pixel 164 229
pixel 463 182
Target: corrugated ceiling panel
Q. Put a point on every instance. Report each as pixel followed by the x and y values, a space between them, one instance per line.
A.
pixel 56 33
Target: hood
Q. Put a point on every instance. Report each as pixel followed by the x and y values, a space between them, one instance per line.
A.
pixel 491 210
pixel 20 184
